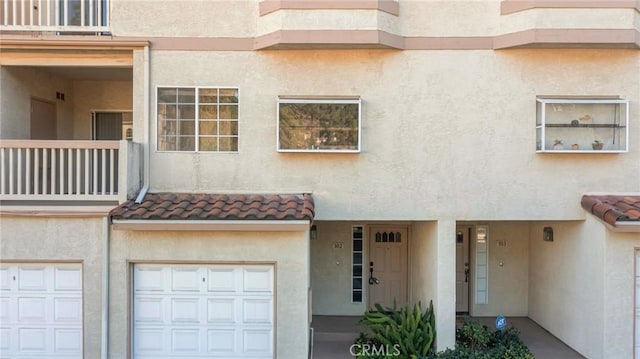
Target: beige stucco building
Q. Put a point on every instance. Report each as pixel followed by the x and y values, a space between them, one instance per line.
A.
pixel 202 177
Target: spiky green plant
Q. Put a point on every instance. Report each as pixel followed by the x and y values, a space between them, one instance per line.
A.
pixel 408 329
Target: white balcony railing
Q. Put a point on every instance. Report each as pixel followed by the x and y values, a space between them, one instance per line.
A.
pixel 60 170
pixel 54 15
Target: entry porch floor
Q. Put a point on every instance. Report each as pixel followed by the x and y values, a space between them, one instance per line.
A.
pixel 333 335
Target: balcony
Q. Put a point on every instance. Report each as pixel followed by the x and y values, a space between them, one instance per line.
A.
pixel 52 170
pixel 69 16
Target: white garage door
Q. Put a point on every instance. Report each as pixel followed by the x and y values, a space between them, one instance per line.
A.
pixel 203 311
pixel 41 310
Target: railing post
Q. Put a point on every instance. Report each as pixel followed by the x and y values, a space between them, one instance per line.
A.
pixel 3 167
pixel 123 170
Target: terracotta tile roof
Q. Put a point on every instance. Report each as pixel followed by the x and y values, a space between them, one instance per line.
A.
pixel 612 209
pixel 205 206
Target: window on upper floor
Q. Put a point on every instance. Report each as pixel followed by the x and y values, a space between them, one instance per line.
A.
pixel 582 124
pixel 319 124
pixel 197 119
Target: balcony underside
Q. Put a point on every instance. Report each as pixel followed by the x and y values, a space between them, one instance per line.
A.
pixel 334 39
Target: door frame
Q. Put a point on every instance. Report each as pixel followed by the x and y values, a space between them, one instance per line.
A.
pixel 371 229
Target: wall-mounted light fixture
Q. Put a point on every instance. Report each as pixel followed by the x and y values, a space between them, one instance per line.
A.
pixel 547 234
pixel 313 233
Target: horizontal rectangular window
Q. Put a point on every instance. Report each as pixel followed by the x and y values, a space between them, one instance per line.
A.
pixel 197 119
pixel 319 124
pixel 582 125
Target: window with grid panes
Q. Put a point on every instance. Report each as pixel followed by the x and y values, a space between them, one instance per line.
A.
pixel 201 119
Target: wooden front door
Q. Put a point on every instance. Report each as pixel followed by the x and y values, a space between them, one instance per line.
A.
pixel 387 276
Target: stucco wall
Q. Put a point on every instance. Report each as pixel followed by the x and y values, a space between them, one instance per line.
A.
pixel 331 270
pixel 438 136
pixel 17 86
pixel 224 18
pixel 619 314
pixel 49 239
pixel 424 261
pixel 289 250
pixel 100 96
pixel 508 283
pixel 566 284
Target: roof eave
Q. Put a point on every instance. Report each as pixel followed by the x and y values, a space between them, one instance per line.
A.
pixel 626 226
pixel 213 225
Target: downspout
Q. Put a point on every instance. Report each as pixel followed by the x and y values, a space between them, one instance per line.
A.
pixel 106 233
pixel 147 129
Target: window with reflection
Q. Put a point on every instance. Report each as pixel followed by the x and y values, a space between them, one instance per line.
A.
pixel 197 119
pixel 319 124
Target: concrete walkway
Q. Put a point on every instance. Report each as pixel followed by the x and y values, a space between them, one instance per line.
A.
pixel 333 336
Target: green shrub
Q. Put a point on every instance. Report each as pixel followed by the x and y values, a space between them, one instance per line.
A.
pixel 476 341
pixel 473 335
pixel 407 332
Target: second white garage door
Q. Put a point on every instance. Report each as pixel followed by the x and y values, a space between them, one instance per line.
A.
pixel 203 311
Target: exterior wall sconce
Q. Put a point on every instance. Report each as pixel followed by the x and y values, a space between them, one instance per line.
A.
pixel 547 234
pixel 313 233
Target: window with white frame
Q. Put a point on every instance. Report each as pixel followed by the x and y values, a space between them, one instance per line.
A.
pixel 197 119
pixel 319 124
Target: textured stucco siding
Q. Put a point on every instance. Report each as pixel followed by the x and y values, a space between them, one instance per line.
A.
pixel 567 284
pixel 444 133
pixel 18 85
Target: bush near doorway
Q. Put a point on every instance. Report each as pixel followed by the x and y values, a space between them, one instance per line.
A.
pixel 408 332
pixel 476 341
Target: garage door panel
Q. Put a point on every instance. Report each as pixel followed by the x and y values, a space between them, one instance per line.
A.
pixel 5 339
pixel 149 341
pixel 185 341
pixel 67 278
pixel 185 310
pixel 221 341
pixel 185 280
pixel 148 278
pixel 67 310
pixel 5 281
pixel 32 310
pixel 258 280
pixel 32 339
pixel 222 280
pixel 221 310
pixel 257 341
pixel 149 310
pixel 4 310
pixel 32 279
pixel 68 340
pixel 257 310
